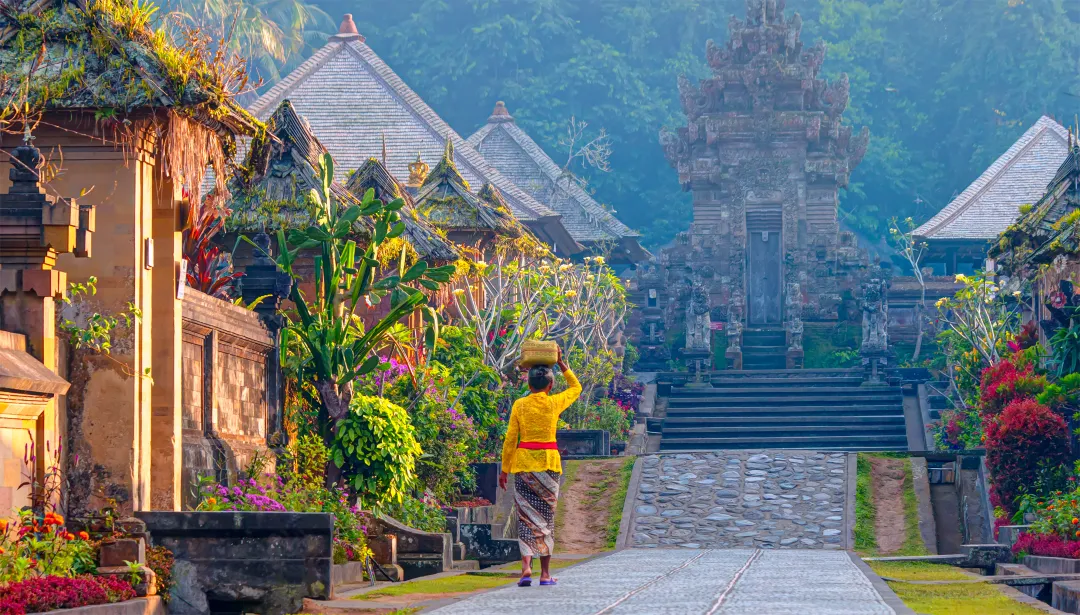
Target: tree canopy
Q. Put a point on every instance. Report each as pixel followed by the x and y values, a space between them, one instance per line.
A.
pixel 944 85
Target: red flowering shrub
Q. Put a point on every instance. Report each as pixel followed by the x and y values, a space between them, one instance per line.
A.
pixel 1009 380
pixel 1025 437
pixel 1047 545
pixel 41 594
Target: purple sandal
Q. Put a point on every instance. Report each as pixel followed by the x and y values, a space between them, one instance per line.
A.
pixel 548 582
pixel 526 582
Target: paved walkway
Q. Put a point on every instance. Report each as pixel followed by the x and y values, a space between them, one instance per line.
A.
pixel 696 582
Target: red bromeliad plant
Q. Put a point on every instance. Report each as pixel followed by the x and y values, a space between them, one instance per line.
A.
pixel 209 270
pixel 1024 439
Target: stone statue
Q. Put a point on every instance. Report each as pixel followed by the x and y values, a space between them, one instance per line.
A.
pixel 698 330
pixel 875 330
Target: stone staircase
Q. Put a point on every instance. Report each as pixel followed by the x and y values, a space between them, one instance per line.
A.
pixel 826 410
pixel 764 349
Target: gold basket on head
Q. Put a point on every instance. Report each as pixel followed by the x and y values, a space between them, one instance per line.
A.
pixel 537 352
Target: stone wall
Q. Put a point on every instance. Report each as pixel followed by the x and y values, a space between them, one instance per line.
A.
pixel 231 395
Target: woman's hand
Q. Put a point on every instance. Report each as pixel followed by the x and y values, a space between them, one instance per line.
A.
pixel 502 480
pixel 562 363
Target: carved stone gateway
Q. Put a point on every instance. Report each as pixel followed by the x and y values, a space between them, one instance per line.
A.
pixel 764 152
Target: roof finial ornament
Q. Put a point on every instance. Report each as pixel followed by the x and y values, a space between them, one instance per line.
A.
pixel 418 172
pixel 347 30
pixel 448 153
pixel 500 114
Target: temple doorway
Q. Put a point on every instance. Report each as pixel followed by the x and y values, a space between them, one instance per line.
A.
pixel 763 267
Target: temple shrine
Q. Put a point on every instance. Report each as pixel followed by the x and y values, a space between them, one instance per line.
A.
pixel 764 153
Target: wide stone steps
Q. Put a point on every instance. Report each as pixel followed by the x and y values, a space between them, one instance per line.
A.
pixel 803 409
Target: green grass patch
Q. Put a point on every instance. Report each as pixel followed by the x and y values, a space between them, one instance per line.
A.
pixel 958 599
pixel 865 512
pixel 913 542
pixel 918 571
pixel 617 500
pixel 460 583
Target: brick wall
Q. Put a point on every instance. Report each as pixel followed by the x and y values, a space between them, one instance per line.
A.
pixel 231 390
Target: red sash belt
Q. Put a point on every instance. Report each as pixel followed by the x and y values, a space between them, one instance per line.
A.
pixel 539 446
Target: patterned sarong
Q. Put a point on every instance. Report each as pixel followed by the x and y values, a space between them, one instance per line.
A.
pixel 535 495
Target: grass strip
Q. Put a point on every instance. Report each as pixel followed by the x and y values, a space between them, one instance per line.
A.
pixel 556 564
pixel 460 583
pixel 617 500
pixel 959 599
pixel 865 511
pixel 913 542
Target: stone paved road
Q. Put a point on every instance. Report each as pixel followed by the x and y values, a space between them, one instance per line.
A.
pixel 695 582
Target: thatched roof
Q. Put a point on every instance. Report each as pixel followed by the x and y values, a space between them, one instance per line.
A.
pixel 272 189
pixel 446 200
pixel 102 55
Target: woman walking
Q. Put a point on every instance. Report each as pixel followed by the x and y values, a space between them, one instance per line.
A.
pixel 536 465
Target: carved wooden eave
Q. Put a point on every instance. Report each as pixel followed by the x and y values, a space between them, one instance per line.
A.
pixel 26 385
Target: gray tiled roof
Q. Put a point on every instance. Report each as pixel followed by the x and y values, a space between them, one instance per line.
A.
pixel 1019 177
pixel 513 152
pixel 352 99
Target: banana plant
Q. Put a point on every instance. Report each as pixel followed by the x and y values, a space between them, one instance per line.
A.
pixel 327 323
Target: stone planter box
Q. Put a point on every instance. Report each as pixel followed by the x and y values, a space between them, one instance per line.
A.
pixel 349 573
pixel 583 442
pixel 245 562
pixel 150 605
pixel 1065 596
pixel 1052 565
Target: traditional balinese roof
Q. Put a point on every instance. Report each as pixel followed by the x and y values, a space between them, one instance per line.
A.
pixel 446 200
pixel 353 101
pixel 272 189
pixel 1019 177
pixel 1051 227
pixel 103 55
pixel 419 232
pixel 511 150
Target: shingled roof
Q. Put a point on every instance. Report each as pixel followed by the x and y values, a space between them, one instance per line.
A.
pixel 1019 177
pixel 283 172
pixel 445 199
pixel 511 150
pixel 353 100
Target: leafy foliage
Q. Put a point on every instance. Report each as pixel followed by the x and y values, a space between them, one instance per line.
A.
pixel 209 269
pixel 1024 440
pixel 377 448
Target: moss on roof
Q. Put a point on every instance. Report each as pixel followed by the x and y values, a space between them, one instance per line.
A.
pixel 104 55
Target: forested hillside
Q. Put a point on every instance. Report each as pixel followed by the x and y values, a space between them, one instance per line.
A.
pixel 944 85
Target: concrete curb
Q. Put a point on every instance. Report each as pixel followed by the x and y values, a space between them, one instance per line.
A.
pixel 849 506
pixel 625 541
pixel 887 594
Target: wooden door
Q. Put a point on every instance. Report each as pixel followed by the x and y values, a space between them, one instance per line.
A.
pixel 763 271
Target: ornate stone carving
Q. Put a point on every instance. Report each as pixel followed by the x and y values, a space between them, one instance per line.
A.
pixel 875 329
pixel 698 331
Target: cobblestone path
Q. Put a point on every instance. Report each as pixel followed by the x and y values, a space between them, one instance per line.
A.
pixel 695 582
pixel 756 499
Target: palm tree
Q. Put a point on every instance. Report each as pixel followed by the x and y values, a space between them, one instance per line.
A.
pixel 272 34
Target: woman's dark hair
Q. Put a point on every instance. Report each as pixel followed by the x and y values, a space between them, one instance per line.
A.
pixel 540 377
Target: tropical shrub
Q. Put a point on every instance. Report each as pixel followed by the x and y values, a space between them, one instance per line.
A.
pixel 48 593
pixel 1046 545
pixel 626 391
pixel 958 430
pixel 1021 442
pixel 609 415
pixel 1065 344
pixel 422 513
pixel 209 269
pixel 39 546
pixel 1011 378
pixel 376 448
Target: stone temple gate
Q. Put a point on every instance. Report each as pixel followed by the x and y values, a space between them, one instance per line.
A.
pixel 764 152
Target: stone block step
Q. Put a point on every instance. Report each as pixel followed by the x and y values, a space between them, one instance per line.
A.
pixel 765 431
pixel 789 421
pixel 787 373
pixel 748 382
pixel 755 411
pixel 763 349
pixel 779 400
pixel 848 442
pixel 785 389
pixel 764 337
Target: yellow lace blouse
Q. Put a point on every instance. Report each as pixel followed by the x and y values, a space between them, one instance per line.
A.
pixel 534 419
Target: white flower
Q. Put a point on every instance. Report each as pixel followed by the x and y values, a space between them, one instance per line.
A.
pixel 459 292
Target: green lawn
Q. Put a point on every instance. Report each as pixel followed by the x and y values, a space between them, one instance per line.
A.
pixel 556 564
pixel 444 585
pixel 866 510
pixel 947 599
pixel 617 501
